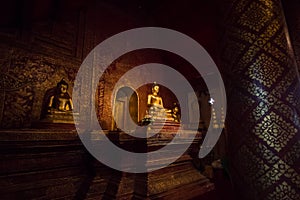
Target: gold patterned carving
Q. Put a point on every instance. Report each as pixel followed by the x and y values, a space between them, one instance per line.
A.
pixel 264 152
pixel 24 85
pixel 247 36
pixel 269 4
pixel 249 56
pixel 272 29
pixel 169 182
pixel 282 86
pixel 279 40
pixel 265 70
pixel 284 166
pixel 283 191
pixel 240 6
pixel 275 131
pixel 266 96
pixel 9 82
pixel 260 110
pixel 258 20
pixel 254 90
pixel 17 108
pixel 271 49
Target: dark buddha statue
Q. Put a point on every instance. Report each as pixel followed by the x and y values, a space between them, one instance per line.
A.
pixel 175 113
pixel 58 106
pixel 61 100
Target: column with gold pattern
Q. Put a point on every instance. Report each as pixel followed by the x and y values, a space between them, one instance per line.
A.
pixel 263 92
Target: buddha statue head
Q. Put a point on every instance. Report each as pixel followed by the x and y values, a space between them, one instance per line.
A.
pixel 62 87
pixel 155 88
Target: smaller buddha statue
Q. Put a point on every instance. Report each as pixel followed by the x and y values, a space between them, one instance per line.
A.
pixel 61 100
pixel 175 113
pixel 58 106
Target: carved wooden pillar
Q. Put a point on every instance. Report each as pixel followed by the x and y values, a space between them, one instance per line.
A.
pixel 263 101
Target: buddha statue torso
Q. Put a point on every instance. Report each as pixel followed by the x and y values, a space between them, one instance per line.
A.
pixel 60 103
pixel 155 100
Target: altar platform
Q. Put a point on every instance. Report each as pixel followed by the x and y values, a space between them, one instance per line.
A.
pixel 53 164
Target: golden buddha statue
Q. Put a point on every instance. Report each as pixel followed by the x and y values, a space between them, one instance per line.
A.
pixel 61 100
pixel 154 99
pixel 155 102
pixel 59 106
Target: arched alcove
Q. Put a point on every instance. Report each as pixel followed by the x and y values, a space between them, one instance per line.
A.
pixel 126 99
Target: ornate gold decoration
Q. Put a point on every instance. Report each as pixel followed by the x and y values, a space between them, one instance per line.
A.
pixel 265 70
pixel 24 83
pixel 258 20
pixel 265 94
pixel 283 191
pixel 275 131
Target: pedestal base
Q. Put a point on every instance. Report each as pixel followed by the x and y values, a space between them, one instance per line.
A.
pixel 53 164
pixel 61 120
pixel 179 180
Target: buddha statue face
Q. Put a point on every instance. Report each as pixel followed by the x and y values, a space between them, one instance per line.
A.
pixel 175 110
pixel 155 89
pixel 63 88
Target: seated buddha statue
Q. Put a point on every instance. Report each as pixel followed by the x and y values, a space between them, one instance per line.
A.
pixel 175 113
pixel 59 106
pixel 156 107
pixel 61 100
